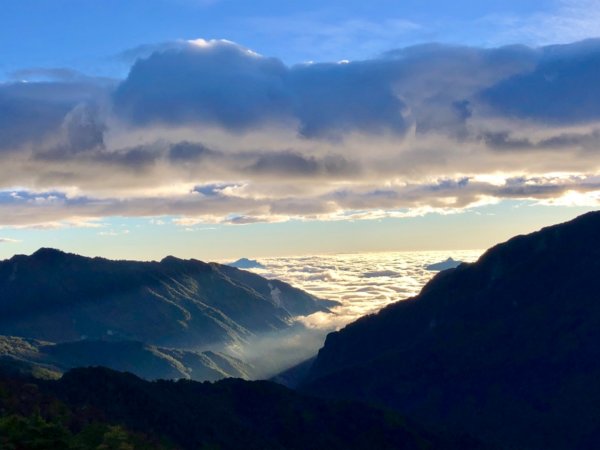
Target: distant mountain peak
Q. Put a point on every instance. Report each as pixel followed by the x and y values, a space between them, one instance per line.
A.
pixel 245 263
pixel 48 255
pixel 44 252
pixel 171 259
pixel 449 263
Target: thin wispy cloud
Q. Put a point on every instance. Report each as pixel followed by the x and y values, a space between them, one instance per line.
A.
pixel 113 233
pixel 564 22
pixel 8 241
pixel 324 39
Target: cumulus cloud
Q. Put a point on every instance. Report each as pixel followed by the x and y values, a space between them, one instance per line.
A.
pixel 565 21
pixel 210 131
pixel 213 82
pixel 560 89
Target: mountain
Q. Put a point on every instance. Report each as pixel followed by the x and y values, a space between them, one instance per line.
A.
pixel 245 263
pixel 187 304
pixel 33 418
pixel 443 265
pixel 229 414
pixel 506 349
pixel 144 360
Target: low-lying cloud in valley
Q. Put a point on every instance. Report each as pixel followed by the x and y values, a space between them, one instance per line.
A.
pixel 362 283
pixel 209 131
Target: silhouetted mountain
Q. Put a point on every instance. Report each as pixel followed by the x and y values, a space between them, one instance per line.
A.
pixel 230 414
pixel 62 297
pixel 144 360
pixel 295 375
pixel 245 263
pixel 444 265
pixel 506 348
pixel 33 418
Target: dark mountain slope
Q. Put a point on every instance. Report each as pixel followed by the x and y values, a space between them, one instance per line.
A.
pixel 144 360
pixel 507 348
pixel 230 414
pixel 62 297
pixel 33 418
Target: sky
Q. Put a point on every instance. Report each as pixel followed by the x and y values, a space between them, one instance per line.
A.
pixel 217 129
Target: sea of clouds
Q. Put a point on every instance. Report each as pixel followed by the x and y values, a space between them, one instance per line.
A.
pixel 363 283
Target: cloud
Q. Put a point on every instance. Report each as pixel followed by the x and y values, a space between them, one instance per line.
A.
pixel 32 113
pixel 113 233
pixel 216 82
pixel 315 36
pixel 212 204
pixel 8 241
pixel 291 164
pixel 565 21
pixel 380 274
pixel 212 132
pixel 353 96
pixel 221 83
pixel 60 74
pixel 561 88
pixel 189 151
pixel 131 55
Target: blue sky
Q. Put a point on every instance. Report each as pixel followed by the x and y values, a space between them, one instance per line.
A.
pixel 90 35
pixel 216 129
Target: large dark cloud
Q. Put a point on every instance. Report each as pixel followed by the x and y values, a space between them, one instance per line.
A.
pixel 504 141
pixel 563 87
pixel 331 99
pixel 211 130
pixel 440 83
pixel 288 163
pixel 189 151
pixel 222 84
pixel 31 112
pixel 434 87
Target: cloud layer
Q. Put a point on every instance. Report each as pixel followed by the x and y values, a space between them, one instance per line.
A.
pixel 209 131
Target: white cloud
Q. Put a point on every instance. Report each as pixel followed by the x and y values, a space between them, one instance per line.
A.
pixel 8 241
pixel 213 134
pixel 113 233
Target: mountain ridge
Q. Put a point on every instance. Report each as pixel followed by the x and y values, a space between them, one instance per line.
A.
pixel 512 335
pixel 228 414
pixel 144 360
pixel 61 297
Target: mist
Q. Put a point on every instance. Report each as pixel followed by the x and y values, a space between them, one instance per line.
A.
pixel 362 283
pixel 273 353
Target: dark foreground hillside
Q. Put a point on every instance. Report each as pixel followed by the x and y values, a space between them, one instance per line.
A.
pixel 87 407
pixel 506 349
